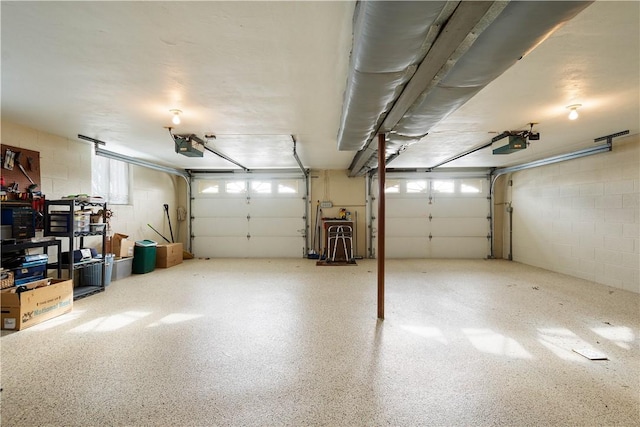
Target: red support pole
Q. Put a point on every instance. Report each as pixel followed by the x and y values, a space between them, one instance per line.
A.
pixel 381 224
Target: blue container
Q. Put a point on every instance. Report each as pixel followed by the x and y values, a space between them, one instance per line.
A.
pixel 108 268
pixel 31 273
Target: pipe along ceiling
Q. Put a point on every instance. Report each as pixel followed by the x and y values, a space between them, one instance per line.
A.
pixel 414 63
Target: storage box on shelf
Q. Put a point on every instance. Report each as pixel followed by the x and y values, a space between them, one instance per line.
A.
pixel 71 219
pixel 19 216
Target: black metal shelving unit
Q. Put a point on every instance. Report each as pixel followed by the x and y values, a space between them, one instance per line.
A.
pixel 59 221
pixel 42 244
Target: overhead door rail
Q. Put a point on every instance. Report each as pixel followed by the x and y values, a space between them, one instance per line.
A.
pixel 602 148
pixel 132 160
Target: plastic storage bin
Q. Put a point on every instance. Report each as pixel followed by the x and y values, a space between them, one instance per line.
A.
pixel 122 268
pixel 144 256
pixel 91 274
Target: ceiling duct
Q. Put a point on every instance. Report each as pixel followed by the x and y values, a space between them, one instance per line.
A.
pixel 414 63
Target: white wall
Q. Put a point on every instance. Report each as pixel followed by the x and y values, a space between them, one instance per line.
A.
pixel 151 190
pixel 580 217
pixel 66 169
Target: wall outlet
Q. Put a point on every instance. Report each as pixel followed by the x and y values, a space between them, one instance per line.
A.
pixel 326 204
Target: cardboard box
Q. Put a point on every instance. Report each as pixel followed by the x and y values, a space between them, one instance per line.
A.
pixel 168 255
pixel 40 303
pixel 121 246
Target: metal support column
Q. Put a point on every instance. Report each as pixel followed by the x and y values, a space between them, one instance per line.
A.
pixel 381 223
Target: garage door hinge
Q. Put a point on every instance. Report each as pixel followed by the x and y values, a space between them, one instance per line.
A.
pixel 248 217
pixel 248 200
pixel 430 237
pixel 430 217
pixel 248 236
pixel 489 236
pixel 489 217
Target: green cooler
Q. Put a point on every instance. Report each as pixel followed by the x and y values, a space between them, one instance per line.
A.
pixel 144 256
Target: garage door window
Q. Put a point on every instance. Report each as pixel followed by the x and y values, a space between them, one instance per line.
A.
pixel 471 186
pixel 289 186
pixel 235 187
pixel 417 186
pixel 261 187
pixel 208 187
pixel 392 186
pixel 443 186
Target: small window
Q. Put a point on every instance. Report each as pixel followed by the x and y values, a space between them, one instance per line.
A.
pixel 261 187
pixel 235 187
pixel 417 186
pixel 392 186
pixel 208 187
pixel 443 186
pixel 289 186
pixel 471 186
pixel 110 180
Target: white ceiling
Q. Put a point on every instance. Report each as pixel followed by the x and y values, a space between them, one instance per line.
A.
pixel 255 73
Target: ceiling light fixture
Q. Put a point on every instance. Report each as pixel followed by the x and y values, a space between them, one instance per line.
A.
pixel 573 114
pixel 176 116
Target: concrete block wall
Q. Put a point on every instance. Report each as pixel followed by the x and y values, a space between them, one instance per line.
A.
pixel 65 166
pixel 580 217
pixel 151 190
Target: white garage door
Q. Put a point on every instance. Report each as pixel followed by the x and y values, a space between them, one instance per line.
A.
pixel 248 217
pixel 435 218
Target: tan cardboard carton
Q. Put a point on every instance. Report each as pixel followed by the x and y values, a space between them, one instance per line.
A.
pixel 168 255
pixel 121 246
pixel 20 311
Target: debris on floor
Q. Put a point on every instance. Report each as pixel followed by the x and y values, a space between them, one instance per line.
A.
pixel 590 354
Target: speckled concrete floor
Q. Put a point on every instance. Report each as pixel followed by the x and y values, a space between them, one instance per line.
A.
pixel 284 342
